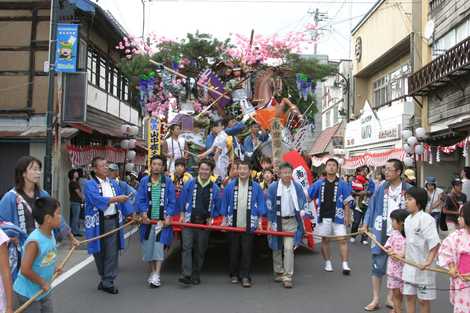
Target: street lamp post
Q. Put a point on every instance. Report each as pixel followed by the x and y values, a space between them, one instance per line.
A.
pixel 50 98
pixel 346 83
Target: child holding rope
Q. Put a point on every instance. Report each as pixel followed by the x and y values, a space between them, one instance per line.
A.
pixel 454 255
pixel 422 244
pixel 38 264
pixel 395 246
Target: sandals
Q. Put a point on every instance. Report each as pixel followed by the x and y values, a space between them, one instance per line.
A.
pixel 369 308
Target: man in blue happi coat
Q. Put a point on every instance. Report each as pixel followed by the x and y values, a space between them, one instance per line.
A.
pixel 105 209
pixel 242 205
pixel 200 202
pixel 330 195
pixel 390 196
pixel 156 200
pixel 286 205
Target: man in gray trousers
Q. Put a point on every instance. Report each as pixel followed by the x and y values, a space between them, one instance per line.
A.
pixel 105 209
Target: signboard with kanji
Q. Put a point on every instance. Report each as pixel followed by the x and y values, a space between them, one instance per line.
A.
pixel 155 138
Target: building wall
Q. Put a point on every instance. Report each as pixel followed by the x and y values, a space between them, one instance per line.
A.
pixel 389 24
pixel 448 14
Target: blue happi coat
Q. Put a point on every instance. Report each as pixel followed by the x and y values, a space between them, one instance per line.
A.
pixel 14 251
pixel 344 190
pixel 257 204
pixel 95 205
pixel 186 203
pixel 274 213
pixel 374 218
pixel 10 207
pixel 143 204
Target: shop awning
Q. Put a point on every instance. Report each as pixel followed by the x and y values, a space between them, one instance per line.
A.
pixel 369 159
pixel 82 156
pixel 321 143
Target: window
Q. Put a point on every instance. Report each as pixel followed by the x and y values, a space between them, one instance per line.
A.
pixel 451 38
pixel 380 91
pixel 102 74
pixel 399 82
pixel 125 89
pixel 113 81
pixel 92 60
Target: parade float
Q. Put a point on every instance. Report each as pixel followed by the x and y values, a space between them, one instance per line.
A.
pixel 199 79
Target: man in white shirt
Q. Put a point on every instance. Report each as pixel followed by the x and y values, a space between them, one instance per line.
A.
pixel 105 209
pixel 219 148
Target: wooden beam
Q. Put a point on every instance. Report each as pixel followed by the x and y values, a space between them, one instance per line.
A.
pixel 21 73
pixel 23 18
pixel 23 48
pixel 32 57
pixel 24 5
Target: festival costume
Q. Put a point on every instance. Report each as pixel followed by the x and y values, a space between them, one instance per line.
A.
pixel 176 149
pixel 456 249
pixel 194 241
pixel 167 208
pixel 105 251
pixel 396 242
pixel 246 215
pixel 378 218
pixel 285 266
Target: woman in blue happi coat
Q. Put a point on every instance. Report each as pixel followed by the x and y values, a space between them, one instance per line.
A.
pixel 17 205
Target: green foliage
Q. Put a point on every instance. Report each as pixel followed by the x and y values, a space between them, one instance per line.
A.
pixel 311 68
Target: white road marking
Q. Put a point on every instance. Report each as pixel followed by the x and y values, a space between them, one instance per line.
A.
pixel 84 263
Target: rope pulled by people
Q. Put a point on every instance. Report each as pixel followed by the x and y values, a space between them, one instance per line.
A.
pixel 67 258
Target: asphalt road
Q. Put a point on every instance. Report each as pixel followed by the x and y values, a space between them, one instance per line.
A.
pixel 314 290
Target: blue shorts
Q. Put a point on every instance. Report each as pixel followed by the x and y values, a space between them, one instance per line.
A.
pixel 379 264
pixel 152 249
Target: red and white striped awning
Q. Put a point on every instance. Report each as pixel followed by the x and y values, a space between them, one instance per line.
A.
pixel 82 156
pixel 368 158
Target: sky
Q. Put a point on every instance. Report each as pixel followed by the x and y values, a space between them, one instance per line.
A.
pixel 221 18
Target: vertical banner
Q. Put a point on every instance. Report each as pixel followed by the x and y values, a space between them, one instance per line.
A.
pixel 67 48
pixel 155 138
pixel 276 142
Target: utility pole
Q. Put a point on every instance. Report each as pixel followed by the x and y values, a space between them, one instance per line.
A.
pixel 143 18
pixel 315 33
pixel 50 98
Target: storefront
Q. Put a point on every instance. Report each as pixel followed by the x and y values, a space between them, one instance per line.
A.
pixel 375 136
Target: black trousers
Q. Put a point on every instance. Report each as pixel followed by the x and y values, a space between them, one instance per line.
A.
pixel 241 252
pixel 358 219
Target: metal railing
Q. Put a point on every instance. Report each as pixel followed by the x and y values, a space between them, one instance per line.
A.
pixel 441 70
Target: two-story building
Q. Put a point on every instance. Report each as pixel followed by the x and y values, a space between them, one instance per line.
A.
pixel 381 63
pixel 443 86
pixel 98 91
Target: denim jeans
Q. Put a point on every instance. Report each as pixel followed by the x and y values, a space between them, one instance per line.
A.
pixel 75 221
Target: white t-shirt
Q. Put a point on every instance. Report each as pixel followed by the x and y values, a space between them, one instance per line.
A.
pixel 108 192
pixel 287 203
pixel 432 198
pixel 396 201
pixel 221 165
pixel 176 150
pixel 3 299
pixel 421 236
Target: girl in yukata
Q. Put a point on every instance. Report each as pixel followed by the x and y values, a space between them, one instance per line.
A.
pixel 454 255
pixel 422 245
pixel 395 246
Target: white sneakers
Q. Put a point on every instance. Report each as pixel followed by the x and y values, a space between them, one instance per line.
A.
pixel 154 280
pixel 365 242
pixel 346 268
pixel 352 240
pixel 328 266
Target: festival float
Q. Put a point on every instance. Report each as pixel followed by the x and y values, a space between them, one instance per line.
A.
pixel 198 80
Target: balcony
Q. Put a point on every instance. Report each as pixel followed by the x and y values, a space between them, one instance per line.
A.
pixel 443 70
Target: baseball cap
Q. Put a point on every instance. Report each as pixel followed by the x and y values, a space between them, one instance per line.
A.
pixel 410 174
pixel 113 167
pixel 456 181
pixel 430 180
